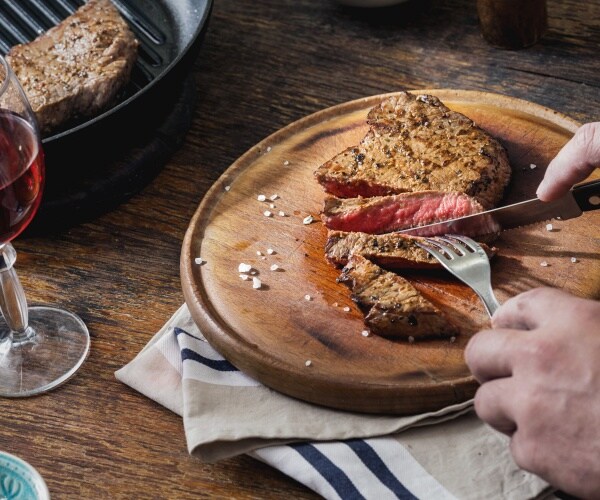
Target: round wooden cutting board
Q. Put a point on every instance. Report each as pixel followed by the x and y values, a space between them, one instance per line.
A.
pixel 302 314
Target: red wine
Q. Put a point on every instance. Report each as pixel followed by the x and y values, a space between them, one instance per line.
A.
pixel 21 175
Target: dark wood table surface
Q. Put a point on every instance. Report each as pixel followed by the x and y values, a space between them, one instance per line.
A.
pixel 263 64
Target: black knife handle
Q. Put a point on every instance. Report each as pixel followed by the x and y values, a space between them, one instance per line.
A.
pixel 587 195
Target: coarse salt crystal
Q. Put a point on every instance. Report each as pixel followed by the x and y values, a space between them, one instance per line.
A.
pixel 261 197
pixel 258 252
pixel 271 205
pixel 281 213
pixel 549 227
pixel 199 261
pixel 544 263
pixel 227 188
pixel 532 166
pixel 308 362
pixel 267 213
pixel 452 339
pixel 365 333
pixel 268 149
pixel 256 283
pixel 346 309
pixel 573 260
pixel 307 297
pixel 308 219
pixel 274 267
pixel 270 251
pixel 245 277
pixel 411 339
pixel 273 197
pixel 244 268
pixel 286 162
pixel 263 257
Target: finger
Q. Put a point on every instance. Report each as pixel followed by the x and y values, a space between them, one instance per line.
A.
pixel 529 310
pixel 490 353
pixel 494 405
pixel 573 163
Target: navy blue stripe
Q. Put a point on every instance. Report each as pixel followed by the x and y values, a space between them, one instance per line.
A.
pixel 373 461
pixel 336 477
pixel 221 365
pixel 178 330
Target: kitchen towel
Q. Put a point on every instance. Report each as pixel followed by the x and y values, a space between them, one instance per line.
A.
pixel 340 455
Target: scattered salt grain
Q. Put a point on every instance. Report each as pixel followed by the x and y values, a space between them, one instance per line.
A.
pixel 308 362
pixel 573 260
pixel 271 205
pixel 308 220
pixel 268 149
pixel 256 283
pixel 307 297
pixel 281 213
pixel 273 197
pixel 263 258
pixel 365 333
pixel 259 253
pixel 544 263
pixel 286 163
pixel 270 251
pixel 261 197
pixel 267 213
pixel 244 268
pixel 532 166
pixel 453 339
pixel 227 188
pixel 411 339
pixel 335 304
pixel 549 227
pixel 346 309
pixel 199 261
pixel 245 277
pixel 274 267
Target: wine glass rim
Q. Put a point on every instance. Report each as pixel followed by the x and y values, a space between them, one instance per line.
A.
pixel 7 74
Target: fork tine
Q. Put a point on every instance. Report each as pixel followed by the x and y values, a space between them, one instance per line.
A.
pixel 469 243
pixel 442 245
pixel 456 244
pixel 428 245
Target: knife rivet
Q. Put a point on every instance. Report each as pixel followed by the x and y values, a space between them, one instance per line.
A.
pixel 594 200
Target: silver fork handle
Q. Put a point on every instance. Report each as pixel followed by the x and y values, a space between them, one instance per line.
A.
pixel 489 300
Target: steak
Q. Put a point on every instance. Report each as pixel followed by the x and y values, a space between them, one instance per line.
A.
pixel 390 250
pixel 76 69
pixel 416 143
pixel 384 214
pixel 393 307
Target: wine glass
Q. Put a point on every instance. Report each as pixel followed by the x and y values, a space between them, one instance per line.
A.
pixel 40 347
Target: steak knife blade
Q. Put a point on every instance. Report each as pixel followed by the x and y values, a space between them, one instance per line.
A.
pixel 581 198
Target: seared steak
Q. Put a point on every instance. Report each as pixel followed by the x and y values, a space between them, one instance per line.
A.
pixel 383 214
pixel 75 69
pixel 416 143
pixel 393 307
pixel 390 250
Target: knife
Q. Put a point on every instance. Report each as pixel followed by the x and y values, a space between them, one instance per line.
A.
pixel 582 198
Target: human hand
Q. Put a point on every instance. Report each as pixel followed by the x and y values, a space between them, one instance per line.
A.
pixel 573 163
pixel 539 367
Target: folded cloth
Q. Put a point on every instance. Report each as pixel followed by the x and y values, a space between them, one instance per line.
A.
pixel 449 453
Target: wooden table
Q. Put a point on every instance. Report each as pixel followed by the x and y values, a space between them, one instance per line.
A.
pixel 263 64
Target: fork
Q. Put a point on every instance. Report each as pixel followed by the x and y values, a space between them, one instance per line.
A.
pixel 466 260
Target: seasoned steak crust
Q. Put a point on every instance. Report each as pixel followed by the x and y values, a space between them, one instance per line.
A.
pixel 75 69
pixel 416 143
pixel 390 250
pixel 394 308
pixel 383 214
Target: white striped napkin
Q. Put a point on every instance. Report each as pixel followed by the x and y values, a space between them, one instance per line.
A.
pixel 340 455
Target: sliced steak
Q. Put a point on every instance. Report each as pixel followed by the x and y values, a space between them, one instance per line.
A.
pixel 390 250
pixel 393 307
pixel 75 69
pixel 416 143
pixel 384 214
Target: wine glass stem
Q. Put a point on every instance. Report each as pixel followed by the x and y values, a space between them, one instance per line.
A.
pixel 13 303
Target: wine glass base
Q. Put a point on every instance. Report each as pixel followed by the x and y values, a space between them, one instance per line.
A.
pixel 58 347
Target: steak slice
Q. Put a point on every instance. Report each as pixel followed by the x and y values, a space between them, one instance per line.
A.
pixel 75 69
pixel 394 308
pixel 416 143
pixel 390 250
pixel 384 214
